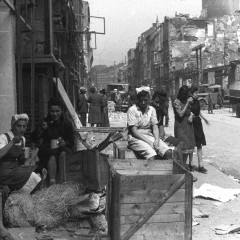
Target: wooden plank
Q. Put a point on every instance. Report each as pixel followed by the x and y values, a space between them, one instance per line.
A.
pixel 142 172
pixel 160 229
pixel 67 102
pixel 116 185
pixel 140 209
pixel 157 236
pixel 149 182
pixel 128 164
pixel 164 218
pixel 188 206
pixel 178 168
pixel 127 235
pixel 150 196
pixel 101 129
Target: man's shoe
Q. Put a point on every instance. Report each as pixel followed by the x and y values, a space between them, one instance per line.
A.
pixel 202 170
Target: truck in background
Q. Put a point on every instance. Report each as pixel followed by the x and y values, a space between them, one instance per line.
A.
pixel 123 89
pixel 233 92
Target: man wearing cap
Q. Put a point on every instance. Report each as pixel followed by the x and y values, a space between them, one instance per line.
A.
pixel 82 106
pixel 143 128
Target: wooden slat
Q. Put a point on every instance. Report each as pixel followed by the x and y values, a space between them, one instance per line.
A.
pixel 136 164
pixel 140 209
pixel 149 182
pixel 142 172
pixel 188 207
pixel 164 218
pixel 157 236
pixel 150 196
pixel 116 185
pixel 100 129
pixel 159 229
pixel 140 223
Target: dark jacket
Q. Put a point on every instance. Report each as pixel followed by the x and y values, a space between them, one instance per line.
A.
pixel 82 105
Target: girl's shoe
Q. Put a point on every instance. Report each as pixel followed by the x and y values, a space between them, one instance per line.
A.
pixel 191 168
pixel 202 170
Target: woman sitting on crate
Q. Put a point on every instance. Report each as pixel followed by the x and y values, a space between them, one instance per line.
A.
pixel 143 128
pixel 55 138
pixel 14 177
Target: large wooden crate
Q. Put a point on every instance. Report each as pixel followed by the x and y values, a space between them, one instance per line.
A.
pixel 149 200
pixel 88 167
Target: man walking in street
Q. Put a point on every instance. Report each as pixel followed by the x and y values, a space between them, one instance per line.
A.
pixel 82 106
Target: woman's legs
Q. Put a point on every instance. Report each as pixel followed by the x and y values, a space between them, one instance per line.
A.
pixel 52 169
pixel 201 168
pixel 190 161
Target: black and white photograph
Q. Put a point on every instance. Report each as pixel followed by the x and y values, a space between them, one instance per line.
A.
pixel 120 120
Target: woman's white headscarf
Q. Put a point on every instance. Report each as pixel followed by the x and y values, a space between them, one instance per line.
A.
pixel 17 117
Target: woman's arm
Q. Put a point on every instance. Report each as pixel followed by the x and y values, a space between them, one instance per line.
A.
pixel 6 149
pixel 205 120
pixel 140 136
pixel 178 109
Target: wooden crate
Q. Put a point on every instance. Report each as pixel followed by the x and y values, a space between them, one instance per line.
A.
pixel 149 200
pixel 88 167
pixel 121 150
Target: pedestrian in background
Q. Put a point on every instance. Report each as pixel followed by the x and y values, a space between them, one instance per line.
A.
pixel 210 101
pixel 118 100
pixel 94 101
pixel 183 127
pixel 159 102
pixel 104 109
pixel 198 128
pixel 82 106
pixel 166 114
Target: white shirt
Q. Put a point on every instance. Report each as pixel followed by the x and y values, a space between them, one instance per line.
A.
pixel 4 140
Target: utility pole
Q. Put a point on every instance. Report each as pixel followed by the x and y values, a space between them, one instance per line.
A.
pixel 198 49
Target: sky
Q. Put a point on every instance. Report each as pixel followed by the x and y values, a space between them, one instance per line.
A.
pixel 126 20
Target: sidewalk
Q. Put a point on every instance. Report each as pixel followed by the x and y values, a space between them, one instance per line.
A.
pixel 219 213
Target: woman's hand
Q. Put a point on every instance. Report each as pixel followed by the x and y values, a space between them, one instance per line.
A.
pixel 190 100
pixel 156 144
pixel 190 119
pixel 62 143
pixel 17 139
pixel 44 126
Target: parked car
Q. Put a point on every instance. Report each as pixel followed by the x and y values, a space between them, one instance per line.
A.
pixel 203 91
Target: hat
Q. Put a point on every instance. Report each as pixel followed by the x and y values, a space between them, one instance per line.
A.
pixel 83 89
pixel 17 117
pixel 104 91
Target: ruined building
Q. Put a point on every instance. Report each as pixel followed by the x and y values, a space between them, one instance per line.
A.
pixel 40 40
pixel 219 8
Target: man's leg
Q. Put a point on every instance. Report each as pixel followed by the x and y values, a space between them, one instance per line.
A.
pixel 83 119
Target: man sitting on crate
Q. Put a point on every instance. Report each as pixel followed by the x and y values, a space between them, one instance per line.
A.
pixel 143 128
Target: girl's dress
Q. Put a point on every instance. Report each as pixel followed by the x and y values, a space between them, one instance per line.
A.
pixel 183 130
pixel 197 124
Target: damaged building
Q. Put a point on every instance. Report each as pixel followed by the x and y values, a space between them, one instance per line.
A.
pixel 44 39
pixel 166 56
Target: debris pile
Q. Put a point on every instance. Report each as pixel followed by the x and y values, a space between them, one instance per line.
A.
pixel 51 207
